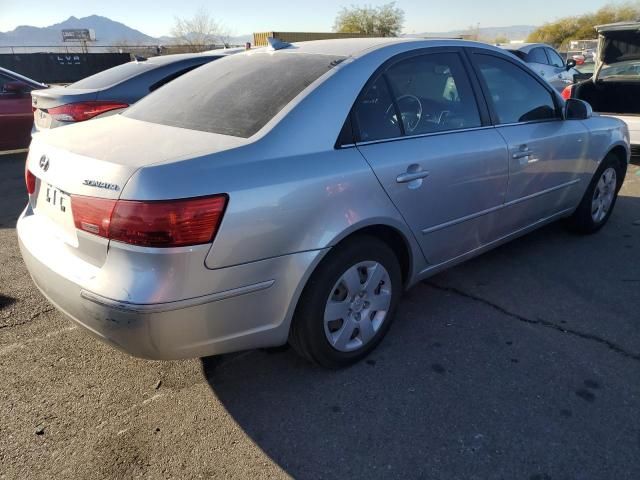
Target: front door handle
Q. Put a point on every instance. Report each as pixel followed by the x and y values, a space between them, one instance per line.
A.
pixel 410 177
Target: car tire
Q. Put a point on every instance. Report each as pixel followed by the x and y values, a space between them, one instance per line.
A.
pixel 359 283
pixel 599 199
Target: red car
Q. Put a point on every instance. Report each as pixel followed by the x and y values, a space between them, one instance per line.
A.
pixel 16 114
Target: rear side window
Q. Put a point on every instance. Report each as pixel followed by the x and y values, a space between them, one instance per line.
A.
pixel 554 58
pixel 236 95
pixel 515 95
pixel 112 76
pixel 375 113
pixel 537 56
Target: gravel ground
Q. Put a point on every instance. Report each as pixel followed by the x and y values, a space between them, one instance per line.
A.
pixel 521 364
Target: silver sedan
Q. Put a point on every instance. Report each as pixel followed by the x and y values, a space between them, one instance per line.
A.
pixel 293 193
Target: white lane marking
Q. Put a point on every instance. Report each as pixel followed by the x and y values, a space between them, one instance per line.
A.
pixel 18 345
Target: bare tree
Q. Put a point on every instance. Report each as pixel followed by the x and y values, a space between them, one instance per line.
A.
pixel 385 20
pixel 199 31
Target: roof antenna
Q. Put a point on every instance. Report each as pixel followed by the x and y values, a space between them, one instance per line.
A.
pixel 277 44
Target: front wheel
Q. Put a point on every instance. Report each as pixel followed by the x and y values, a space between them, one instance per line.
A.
pixel 348 304
pixel 600 198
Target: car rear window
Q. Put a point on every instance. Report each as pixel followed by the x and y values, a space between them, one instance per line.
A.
pixel 236 95
pixel 111 76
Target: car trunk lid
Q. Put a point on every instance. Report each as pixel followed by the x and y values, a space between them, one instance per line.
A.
pixel 617 43
pixel 44 100
pixel 96 159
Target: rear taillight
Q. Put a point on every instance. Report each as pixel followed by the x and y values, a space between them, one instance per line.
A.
pixel 566 93
pixel 78 112
pixel 30 180
pixel 92 214
pixel 173 223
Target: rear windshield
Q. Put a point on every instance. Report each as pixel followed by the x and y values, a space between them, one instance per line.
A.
pixel 236 95
pixel 111 76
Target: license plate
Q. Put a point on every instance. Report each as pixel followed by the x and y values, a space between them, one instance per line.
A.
pixel 42 119
pixel 55 204
pixel 57 199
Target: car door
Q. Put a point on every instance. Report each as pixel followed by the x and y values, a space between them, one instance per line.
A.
pixel 430 143
pixel 547 155
pixel 559 77
pixel 16 117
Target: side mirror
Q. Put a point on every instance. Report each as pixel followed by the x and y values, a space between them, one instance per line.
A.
pixel 571 63
pixel 15 88
pixel 575 109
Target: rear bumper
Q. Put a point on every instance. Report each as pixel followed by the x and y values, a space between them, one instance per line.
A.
pixel 633 123
pixel 254 311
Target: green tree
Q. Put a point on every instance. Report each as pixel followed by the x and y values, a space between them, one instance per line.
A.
pixel 581 27
pixel 385 20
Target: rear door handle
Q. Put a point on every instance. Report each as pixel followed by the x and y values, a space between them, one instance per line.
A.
pixel 410 177
pixel 523 154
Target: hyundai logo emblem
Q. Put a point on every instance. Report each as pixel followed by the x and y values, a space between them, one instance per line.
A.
pixel 44 163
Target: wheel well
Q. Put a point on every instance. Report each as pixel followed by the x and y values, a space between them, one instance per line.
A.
pixel 621 154
pixel 396 242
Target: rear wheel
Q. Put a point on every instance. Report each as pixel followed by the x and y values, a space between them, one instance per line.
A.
pixel 348 304
pixel 600 198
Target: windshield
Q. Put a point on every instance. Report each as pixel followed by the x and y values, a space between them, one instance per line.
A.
pixel 630 69
pixel 236 95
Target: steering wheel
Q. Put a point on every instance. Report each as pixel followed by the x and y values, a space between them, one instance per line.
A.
pixel 410 110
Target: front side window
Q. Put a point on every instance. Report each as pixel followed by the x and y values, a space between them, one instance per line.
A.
pixel 433 94
pixel 554 58
pixel 516 96
pixel 420 95
pixel 4 80
pixel 537 55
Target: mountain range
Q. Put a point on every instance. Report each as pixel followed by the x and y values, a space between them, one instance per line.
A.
pixel 110 32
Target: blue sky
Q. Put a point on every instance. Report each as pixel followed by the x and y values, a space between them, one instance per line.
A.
pixel 155 17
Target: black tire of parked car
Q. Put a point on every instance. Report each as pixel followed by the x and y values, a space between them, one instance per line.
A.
pixel 581 221
pixel 307 335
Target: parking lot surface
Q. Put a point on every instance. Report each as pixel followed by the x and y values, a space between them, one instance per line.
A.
pixel 521 364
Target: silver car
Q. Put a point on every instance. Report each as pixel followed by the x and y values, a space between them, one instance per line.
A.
pixel 547 62
pixel 293 194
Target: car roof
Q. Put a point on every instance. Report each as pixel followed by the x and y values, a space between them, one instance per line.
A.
pixel 355 47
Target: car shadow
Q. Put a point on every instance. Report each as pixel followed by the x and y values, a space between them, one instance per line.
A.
pixel 458 389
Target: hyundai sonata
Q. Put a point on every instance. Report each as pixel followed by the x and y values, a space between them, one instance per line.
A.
pixel 293 193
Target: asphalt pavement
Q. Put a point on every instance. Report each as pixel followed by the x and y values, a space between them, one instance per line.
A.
pixel 521 364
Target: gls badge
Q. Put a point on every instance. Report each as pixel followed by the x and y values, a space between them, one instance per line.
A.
pixel 98 184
